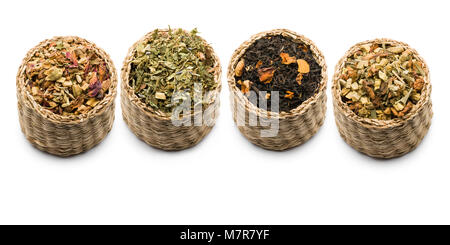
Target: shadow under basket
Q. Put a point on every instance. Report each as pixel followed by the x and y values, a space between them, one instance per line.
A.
pixel 383 138
pixel 155 127
pixel 294 127
pixel 65 135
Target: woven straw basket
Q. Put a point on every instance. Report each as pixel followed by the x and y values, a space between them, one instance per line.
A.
pixel 296 126
pixel 156 127
pixel 65 135
pixel 382 138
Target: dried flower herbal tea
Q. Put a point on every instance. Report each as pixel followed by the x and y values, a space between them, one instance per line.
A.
pixel 67 77
pixel 382 81
pixel 279 63
pixel 169 62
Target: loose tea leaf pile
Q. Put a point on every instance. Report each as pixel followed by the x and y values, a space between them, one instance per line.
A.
pixel 67 77
pixel 382 81
pixel 279 63
pixel 170 62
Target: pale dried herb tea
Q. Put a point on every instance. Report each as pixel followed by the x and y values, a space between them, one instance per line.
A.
pixel 67 77
pixel 279 63
pixel 169 62
pixel 382 81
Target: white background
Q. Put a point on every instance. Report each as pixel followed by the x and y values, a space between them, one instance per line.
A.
pixel 225 179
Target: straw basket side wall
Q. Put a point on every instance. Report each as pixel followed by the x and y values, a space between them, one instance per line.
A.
pixel 64 139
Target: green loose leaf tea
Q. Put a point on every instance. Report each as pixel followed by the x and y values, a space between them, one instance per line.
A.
pixel 67 76
pixel 382 81
pixel 279 63
pixel 168 62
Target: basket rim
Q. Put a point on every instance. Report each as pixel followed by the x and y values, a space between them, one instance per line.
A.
pixel 147 110
pixel 341 107
pixel 240 51
pixel 27 98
